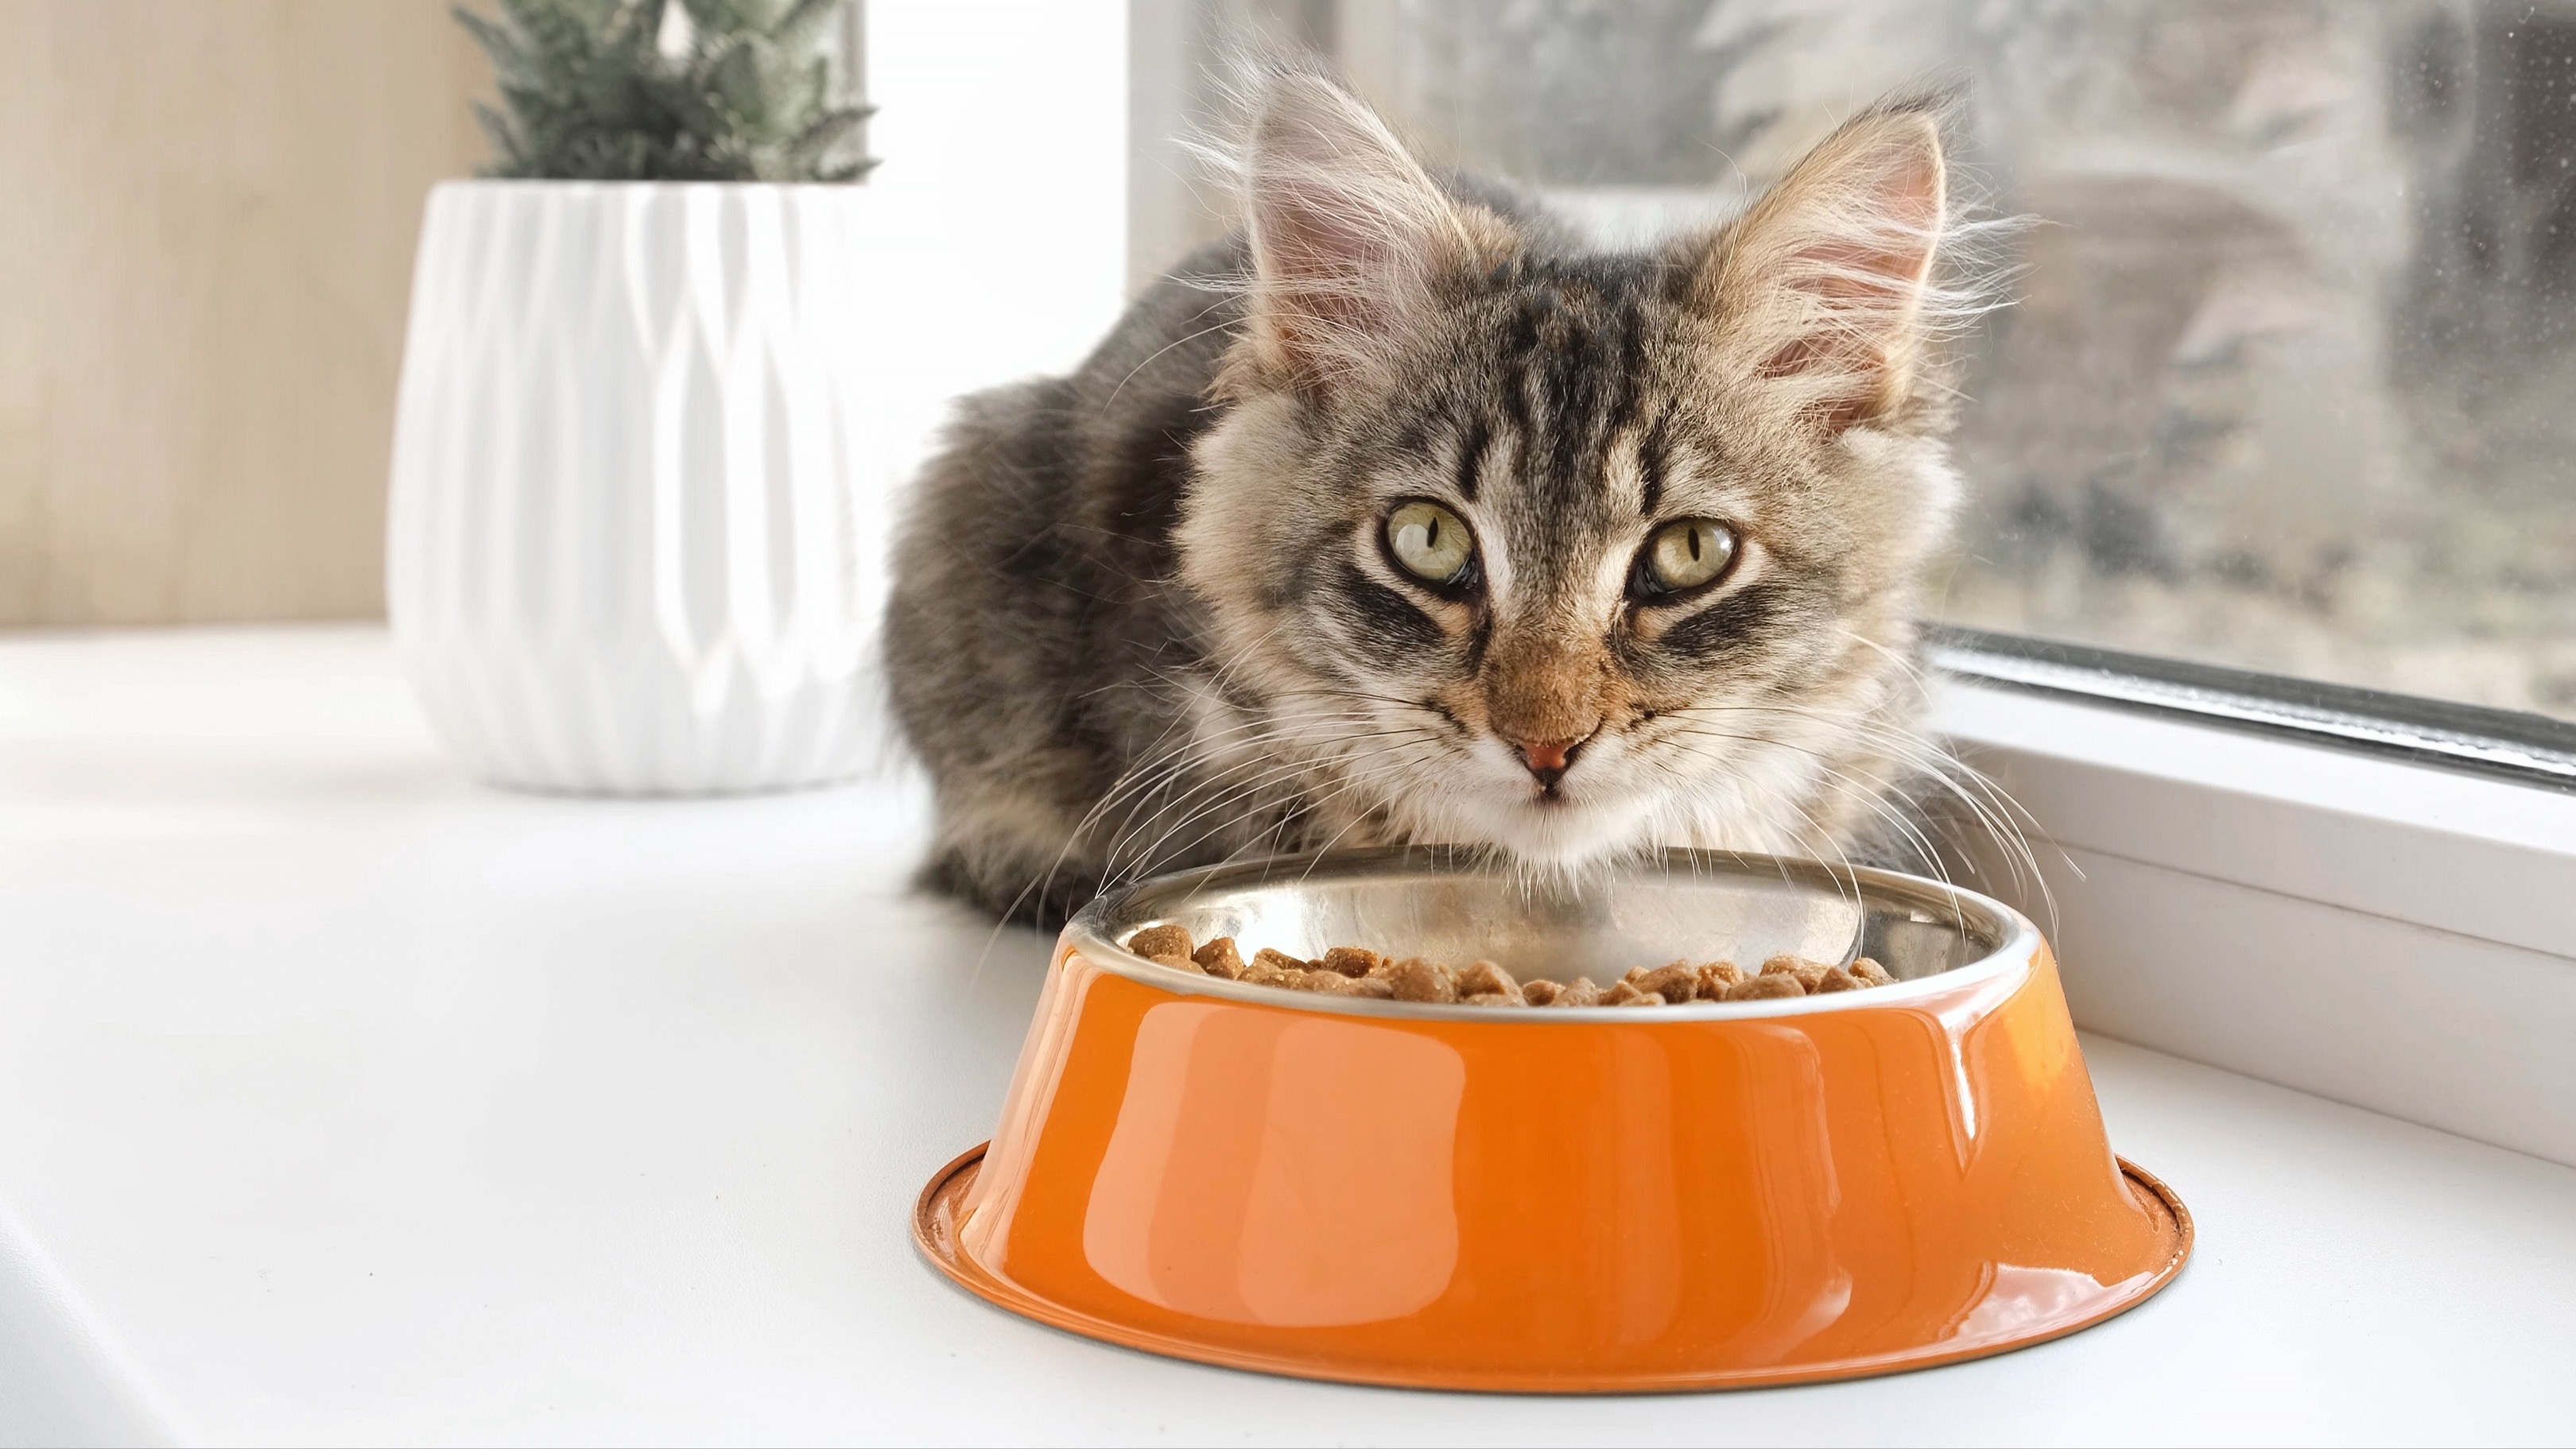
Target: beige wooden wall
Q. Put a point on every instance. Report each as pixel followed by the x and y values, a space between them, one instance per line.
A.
pixel 207 214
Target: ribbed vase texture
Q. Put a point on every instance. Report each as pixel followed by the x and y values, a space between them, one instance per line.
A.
pixel 631 503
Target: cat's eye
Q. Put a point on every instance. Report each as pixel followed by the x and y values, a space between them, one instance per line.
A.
pixel 1430 542
pixel 1684 555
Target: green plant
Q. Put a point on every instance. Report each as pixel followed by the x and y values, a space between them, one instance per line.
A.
pixel 588 93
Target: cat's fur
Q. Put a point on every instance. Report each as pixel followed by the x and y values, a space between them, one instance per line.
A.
pixel 1145 616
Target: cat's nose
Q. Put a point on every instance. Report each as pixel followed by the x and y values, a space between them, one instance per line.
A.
pixel 1548 760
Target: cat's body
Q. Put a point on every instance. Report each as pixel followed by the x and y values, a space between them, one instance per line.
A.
pixel 1405 519
pixel 1037 629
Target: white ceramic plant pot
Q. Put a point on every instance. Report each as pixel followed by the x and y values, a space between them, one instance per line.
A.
pixel 631 507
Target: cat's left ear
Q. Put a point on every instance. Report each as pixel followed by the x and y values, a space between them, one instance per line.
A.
pixel 1824 287
pixel 1352 241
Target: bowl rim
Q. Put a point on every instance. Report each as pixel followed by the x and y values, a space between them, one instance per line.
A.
pixel 2017 939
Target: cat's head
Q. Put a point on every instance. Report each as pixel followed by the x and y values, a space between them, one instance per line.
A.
pixel 1569 553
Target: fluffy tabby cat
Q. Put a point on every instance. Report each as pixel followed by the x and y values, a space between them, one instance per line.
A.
pixel 1401 518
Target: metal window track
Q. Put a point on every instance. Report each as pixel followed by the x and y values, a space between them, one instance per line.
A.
pixel 2510 744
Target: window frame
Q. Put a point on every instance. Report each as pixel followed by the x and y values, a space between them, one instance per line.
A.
pixel 2348 922
pixel 2531 749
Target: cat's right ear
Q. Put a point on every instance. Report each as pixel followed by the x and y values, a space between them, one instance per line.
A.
pixel 1351 239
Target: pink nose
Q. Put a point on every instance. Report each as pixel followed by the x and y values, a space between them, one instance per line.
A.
pixel 1548 759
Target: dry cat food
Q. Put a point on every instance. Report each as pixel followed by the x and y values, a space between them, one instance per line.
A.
pixel 1358 971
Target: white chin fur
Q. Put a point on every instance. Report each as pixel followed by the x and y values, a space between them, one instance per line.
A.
pixel 1561 834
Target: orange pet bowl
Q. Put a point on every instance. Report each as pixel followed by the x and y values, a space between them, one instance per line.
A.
pixel 1610 1199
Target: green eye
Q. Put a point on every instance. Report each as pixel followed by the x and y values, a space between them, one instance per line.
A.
pixel 1431 542
pixel 1685 555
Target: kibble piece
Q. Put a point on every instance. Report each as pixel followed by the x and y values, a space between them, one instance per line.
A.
pixel 1269 968
pixel 1328 983
pixel 1492 998
pixel 1485 978
pixel 1582 993
pixel 1415 979
pixel 1836 980
pixel 1276 960
pixel 1541 992
pixel 1351 961
pixel 1766 986
pixel 1220 958
pixel 1871 973
pixel 1155 942
pixel 1375 988
pixel 1177 963
pixel 1808 972
pixel 1676 983
pixel 1716 976
pixel 1625 993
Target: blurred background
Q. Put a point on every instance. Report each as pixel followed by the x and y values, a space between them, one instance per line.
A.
pixel 205 257
pixel 2292 384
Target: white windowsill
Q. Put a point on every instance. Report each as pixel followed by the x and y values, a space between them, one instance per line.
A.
pixel 342 1100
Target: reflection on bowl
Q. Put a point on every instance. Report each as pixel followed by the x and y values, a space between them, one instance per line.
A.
pixel 1711 1195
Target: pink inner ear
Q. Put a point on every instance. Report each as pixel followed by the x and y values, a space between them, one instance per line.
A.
pixel 1317 269
pixel 1869 271
pixel 1346 230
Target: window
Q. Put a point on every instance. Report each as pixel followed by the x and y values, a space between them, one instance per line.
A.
pixel 2291 386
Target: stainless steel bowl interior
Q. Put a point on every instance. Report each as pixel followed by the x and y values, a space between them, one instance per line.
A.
pixel 1684 905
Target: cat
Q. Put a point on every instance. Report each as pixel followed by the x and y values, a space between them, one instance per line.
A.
pixel 1399 516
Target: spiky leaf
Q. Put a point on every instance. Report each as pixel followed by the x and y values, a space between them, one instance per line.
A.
pixel 586 92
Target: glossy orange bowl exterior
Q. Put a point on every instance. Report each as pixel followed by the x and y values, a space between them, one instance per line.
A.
pixel 1538 1200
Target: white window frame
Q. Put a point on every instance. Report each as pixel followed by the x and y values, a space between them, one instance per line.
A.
pixel 2396 935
